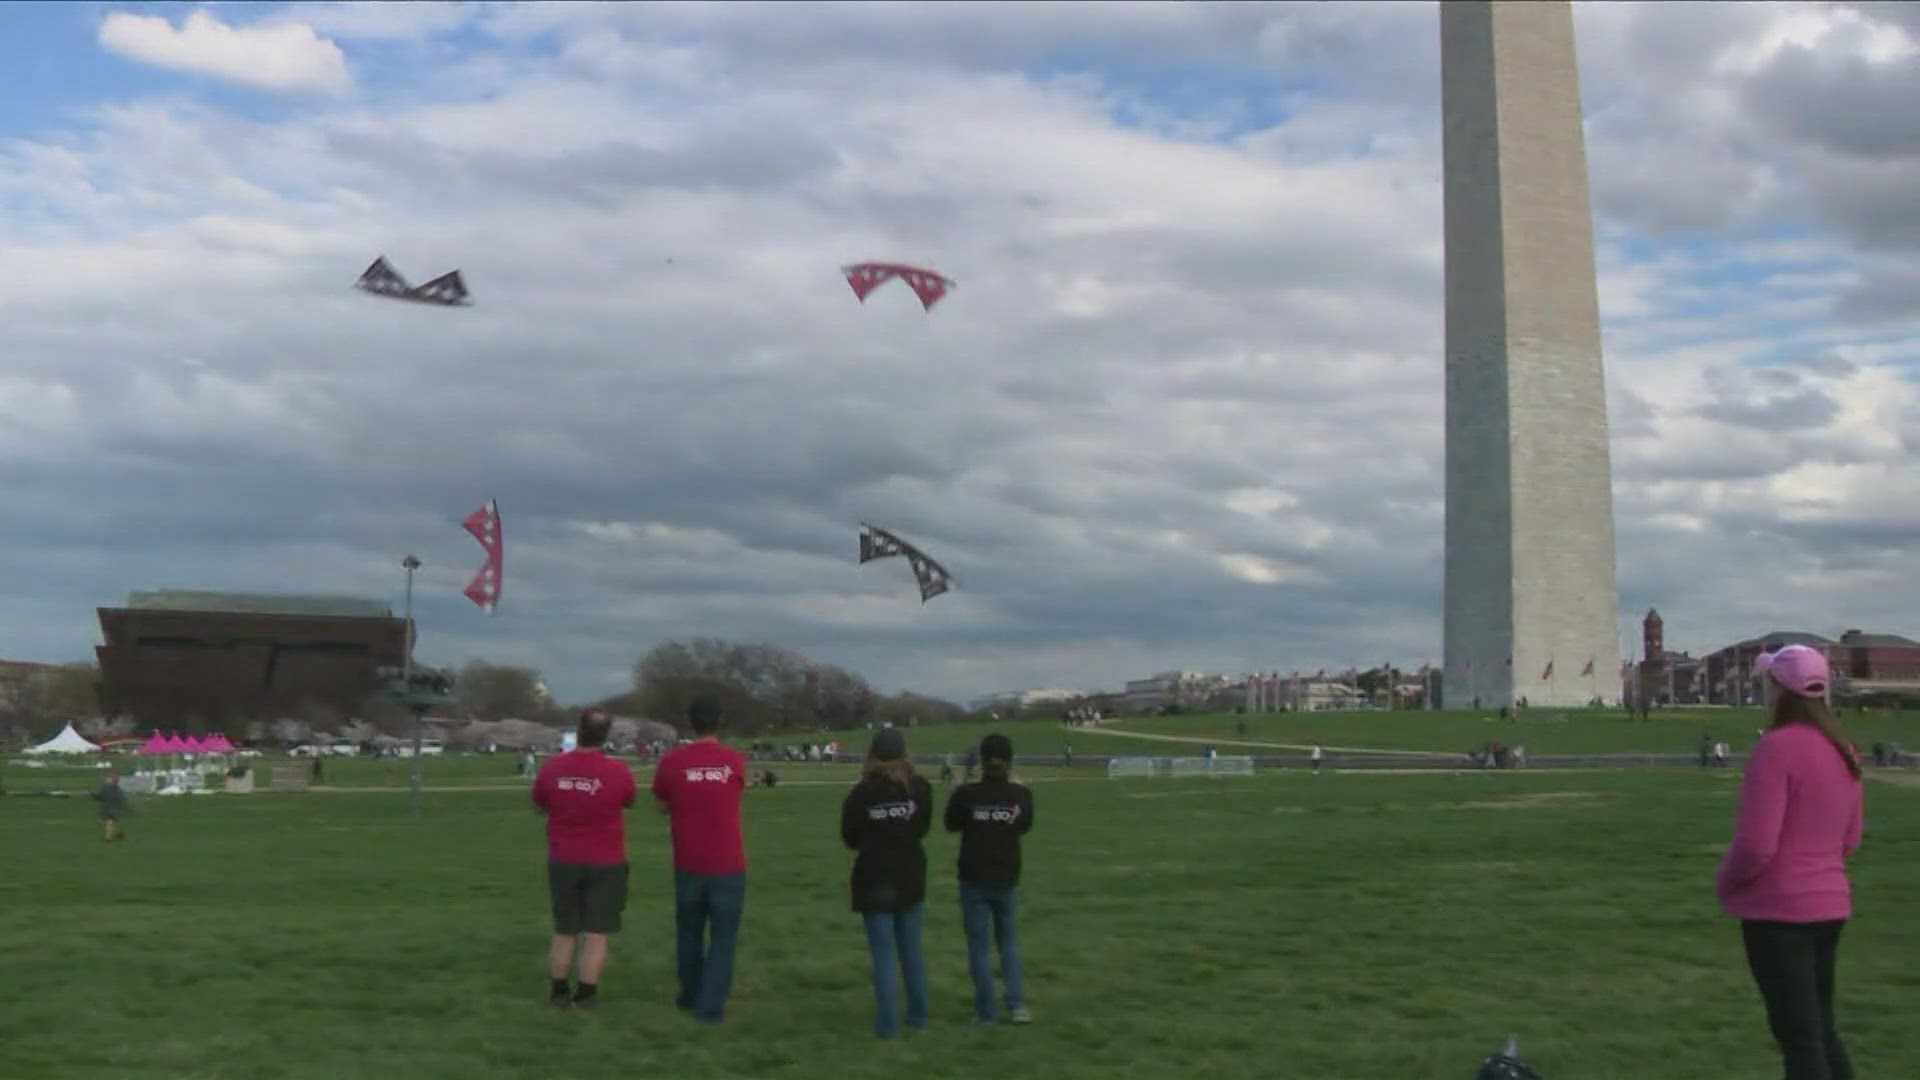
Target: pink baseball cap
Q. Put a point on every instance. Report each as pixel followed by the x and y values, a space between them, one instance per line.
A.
pixel 1797 669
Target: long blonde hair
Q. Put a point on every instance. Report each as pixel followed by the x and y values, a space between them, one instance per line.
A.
pixel 899 771
pixel 1791 708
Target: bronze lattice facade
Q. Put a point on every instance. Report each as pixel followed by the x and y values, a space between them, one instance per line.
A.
pixel 210 661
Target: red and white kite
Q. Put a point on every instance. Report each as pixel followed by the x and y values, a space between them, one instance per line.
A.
pixel 484 524
pixel 927 285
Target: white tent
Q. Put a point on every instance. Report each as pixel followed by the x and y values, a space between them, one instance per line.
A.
pixel 68 741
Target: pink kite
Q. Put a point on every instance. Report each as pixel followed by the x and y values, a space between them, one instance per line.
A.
pixel 484 524
pixel 926 284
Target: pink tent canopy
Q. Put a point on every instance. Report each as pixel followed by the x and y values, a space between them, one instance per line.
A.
pixel 176 745
pixel 154 746
pixel 218 744
pixel 193 745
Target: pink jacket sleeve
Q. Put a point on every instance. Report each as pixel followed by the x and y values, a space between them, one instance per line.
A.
pixel 1763 809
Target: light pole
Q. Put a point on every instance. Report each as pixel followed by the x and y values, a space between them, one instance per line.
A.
pixel 406 678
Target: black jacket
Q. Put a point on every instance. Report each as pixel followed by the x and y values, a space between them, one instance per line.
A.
pixel 991 816
pixel 885 824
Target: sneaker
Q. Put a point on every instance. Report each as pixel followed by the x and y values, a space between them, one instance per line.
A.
pixel 1020 1015
pixel 586 999
pixel 560 999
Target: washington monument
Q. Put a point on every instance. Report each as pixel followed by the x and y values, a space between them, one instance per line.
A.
pixel 1531 611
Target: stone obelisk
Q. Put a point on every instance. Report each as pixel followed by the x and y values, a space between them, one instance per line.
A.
pixel 1531 608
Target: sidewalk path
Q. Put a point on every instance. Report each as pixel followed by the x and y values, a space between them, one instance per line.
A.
pixel 1190 740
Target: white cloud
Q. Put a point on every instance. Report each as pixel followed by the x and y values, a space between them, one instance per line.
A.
pixel 282 57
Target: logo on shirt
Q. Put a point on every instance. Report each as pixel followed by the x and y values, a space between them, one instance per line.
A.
pixel 999 815
pixel 585 785
pixel 892 811
pixel 706 773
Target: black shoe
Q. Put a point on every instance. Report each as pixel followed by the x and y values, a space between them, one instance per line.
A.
pixel 560 998
pixel 586 997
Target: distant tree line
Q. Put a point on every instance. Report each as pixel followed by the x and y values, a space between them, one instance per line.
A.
pixel 767 689
pixel 764 688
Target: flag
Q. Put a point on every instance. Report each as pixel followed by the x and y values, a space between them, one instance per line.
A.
pixel 1587 672
pixel 484 525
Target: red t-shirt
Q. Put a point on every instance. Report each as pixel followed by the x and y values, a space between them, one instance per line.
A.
pixel 585 794
pixel 700 784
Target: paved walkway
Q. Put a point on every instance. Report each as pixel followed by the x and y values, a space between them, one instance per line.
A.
pixel 1191 740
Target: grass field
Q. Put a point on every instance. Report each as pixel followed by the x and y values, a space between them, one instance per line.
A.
pixel 1338 926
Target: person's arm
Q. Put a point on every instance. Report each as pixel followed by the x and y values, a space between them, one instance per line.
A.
pixel 922 807
pixel 1857 826
pixel 852 817
pixel 1763 810
pixel 1026 810
pixel 957 810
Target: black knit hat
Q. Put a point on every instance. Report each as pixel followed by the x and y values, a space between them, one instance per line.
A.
pixel 996 748
pixel 888 745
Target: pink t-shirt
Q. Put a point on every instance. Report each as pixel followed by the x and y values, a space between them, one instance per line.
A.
pixel 1800 818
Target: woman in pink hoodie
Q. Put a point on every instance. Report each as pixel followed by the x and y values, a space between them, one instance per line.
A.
pixel 1785 875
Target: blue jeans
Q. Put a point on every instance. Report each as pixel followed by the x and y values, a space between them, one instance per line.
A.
pixel 700 904
pixel 894 939
pixel 984 910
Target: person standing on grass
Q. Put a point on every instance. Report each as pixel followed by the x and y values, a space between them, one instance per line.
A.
pixel 884 818
pixel 698 786
pixel 1784 876
pixel 584 795
pixel 991 816
pixel 113 803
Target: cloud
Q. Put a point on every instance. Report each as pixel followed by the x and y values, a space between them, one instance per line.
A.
pixel 287 58
pixel 1183 409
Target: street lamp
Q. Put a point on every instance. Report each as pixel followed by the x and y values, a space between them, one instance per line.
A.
pixel 406 679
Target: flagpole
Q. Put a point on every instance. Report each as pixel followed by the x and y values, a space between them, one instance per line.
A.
pixel 406 680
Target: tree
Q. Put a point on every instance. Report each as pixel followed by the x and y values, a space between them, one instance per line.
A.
pixel 760 687
pixel 498 692
pixel 766 688
pixel 68 692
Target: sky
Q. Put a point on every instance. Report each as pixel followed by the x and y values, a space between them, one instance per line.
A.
pixel 1183 408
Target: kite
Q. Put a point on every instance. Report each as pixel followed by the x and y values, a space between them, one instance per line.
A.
pixel 484 524
pixel 878 543
pixel 868 276
pixel 380 279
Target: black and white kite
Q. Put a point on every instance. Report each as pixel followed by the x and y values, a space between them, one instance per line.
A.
pixel 381 279
pixel 878 543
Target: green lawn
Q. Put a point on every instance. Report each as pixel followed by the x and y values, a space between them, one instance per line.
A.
pixel 1543 731
pixel 1290 925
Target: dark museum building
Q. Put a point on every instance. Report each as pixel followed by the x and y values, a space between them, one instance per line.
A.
pixel 204 661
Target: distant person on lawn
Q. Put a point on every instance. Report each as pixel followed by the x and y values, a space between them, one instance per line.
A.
pixel 991 816
pixel 584 795
pixel 698 786
pixel 884 818
pixel 1785 875
pixel 113 803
